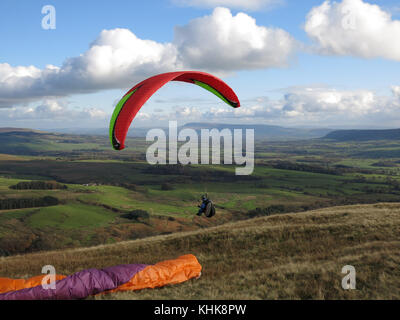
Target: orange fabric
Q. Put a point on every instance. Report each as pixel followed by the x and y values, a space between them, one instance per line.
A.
pixel 7 284
pixel 166 272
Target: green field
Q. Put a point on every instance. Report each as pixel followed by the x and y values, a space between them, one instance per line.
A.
pixel 103 186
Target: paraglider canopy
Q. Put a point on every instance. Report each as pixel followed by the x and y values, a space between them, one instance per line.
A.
pixel 130 104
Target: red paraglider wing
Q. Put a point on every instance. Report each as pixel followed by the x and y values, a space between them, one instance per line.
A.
pixel 136 97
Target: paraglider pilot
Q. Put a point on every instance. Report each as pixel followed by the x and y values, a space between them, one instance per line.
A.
pixel 203 206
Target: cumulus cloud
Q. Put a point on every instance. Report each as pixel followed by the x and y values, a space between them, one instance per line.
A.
pixel 223 42
pixel 355 28
pixel 251 5
pixel 300 102
pixel 396 91
pixel 186 113
pixel 310 106
pixel 329 106
pixel 52 110
pixel 114 60
pixel 118 58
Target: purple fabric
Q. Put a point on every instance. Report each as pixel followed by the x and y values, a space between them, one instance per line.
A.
pixel 79 285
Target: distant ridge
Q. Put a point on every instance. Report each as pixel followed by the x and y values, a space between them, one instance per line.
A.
pixel 264 131
pixel 364 135
pixel 10 129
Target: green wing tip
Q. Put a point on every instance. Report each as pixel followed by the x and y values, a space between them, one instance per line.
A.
pixel 217 93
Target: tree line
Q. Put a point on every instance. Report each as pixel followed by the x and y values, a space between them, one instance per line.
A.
pixel 38 185
pixel 20 203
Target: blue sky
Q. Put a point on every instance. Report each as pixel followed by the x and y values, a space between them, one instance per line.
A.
pixel 305 73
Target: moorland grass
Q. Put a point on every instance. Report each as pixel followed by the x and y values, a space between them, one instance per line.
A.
pixel 286 256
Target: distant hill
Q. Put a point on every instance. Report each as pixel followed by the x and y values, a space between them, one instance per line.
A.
pixel 133 131
pixel 363 135
pixel 263 131
pixel 19 141
pixel 8 130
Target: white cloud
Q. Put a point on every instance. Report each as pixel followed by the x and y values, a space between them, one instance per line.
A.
pixel 251 5
pixel 329 101
pixel 118 58
pixel 115 59
pixel 95 113
pixel 325 106
pixel 223 42
pixel 310 106
pixel 52 110
pixel 187 112
pixel 396 91
pixel 355 28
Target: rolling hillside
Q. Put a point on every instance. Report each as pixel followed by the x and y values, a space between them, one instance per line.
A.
pixel 106 190
pixel 364 135
pixel 16 141
pixel 287 256
pixel 262 131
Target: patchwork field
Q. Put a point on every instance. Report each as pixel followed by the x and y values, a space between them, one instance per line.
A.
pixel 103 188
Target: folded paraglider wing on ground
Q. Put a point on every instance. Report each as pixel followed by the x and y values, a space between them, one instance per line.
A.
pixel 94 281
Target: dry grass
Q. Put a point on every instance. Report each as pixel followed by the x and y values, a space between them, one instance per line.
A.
pixel 291 256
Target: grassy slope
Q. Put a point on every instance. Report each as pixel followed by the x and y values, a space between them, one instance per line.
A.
pixel 291 256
